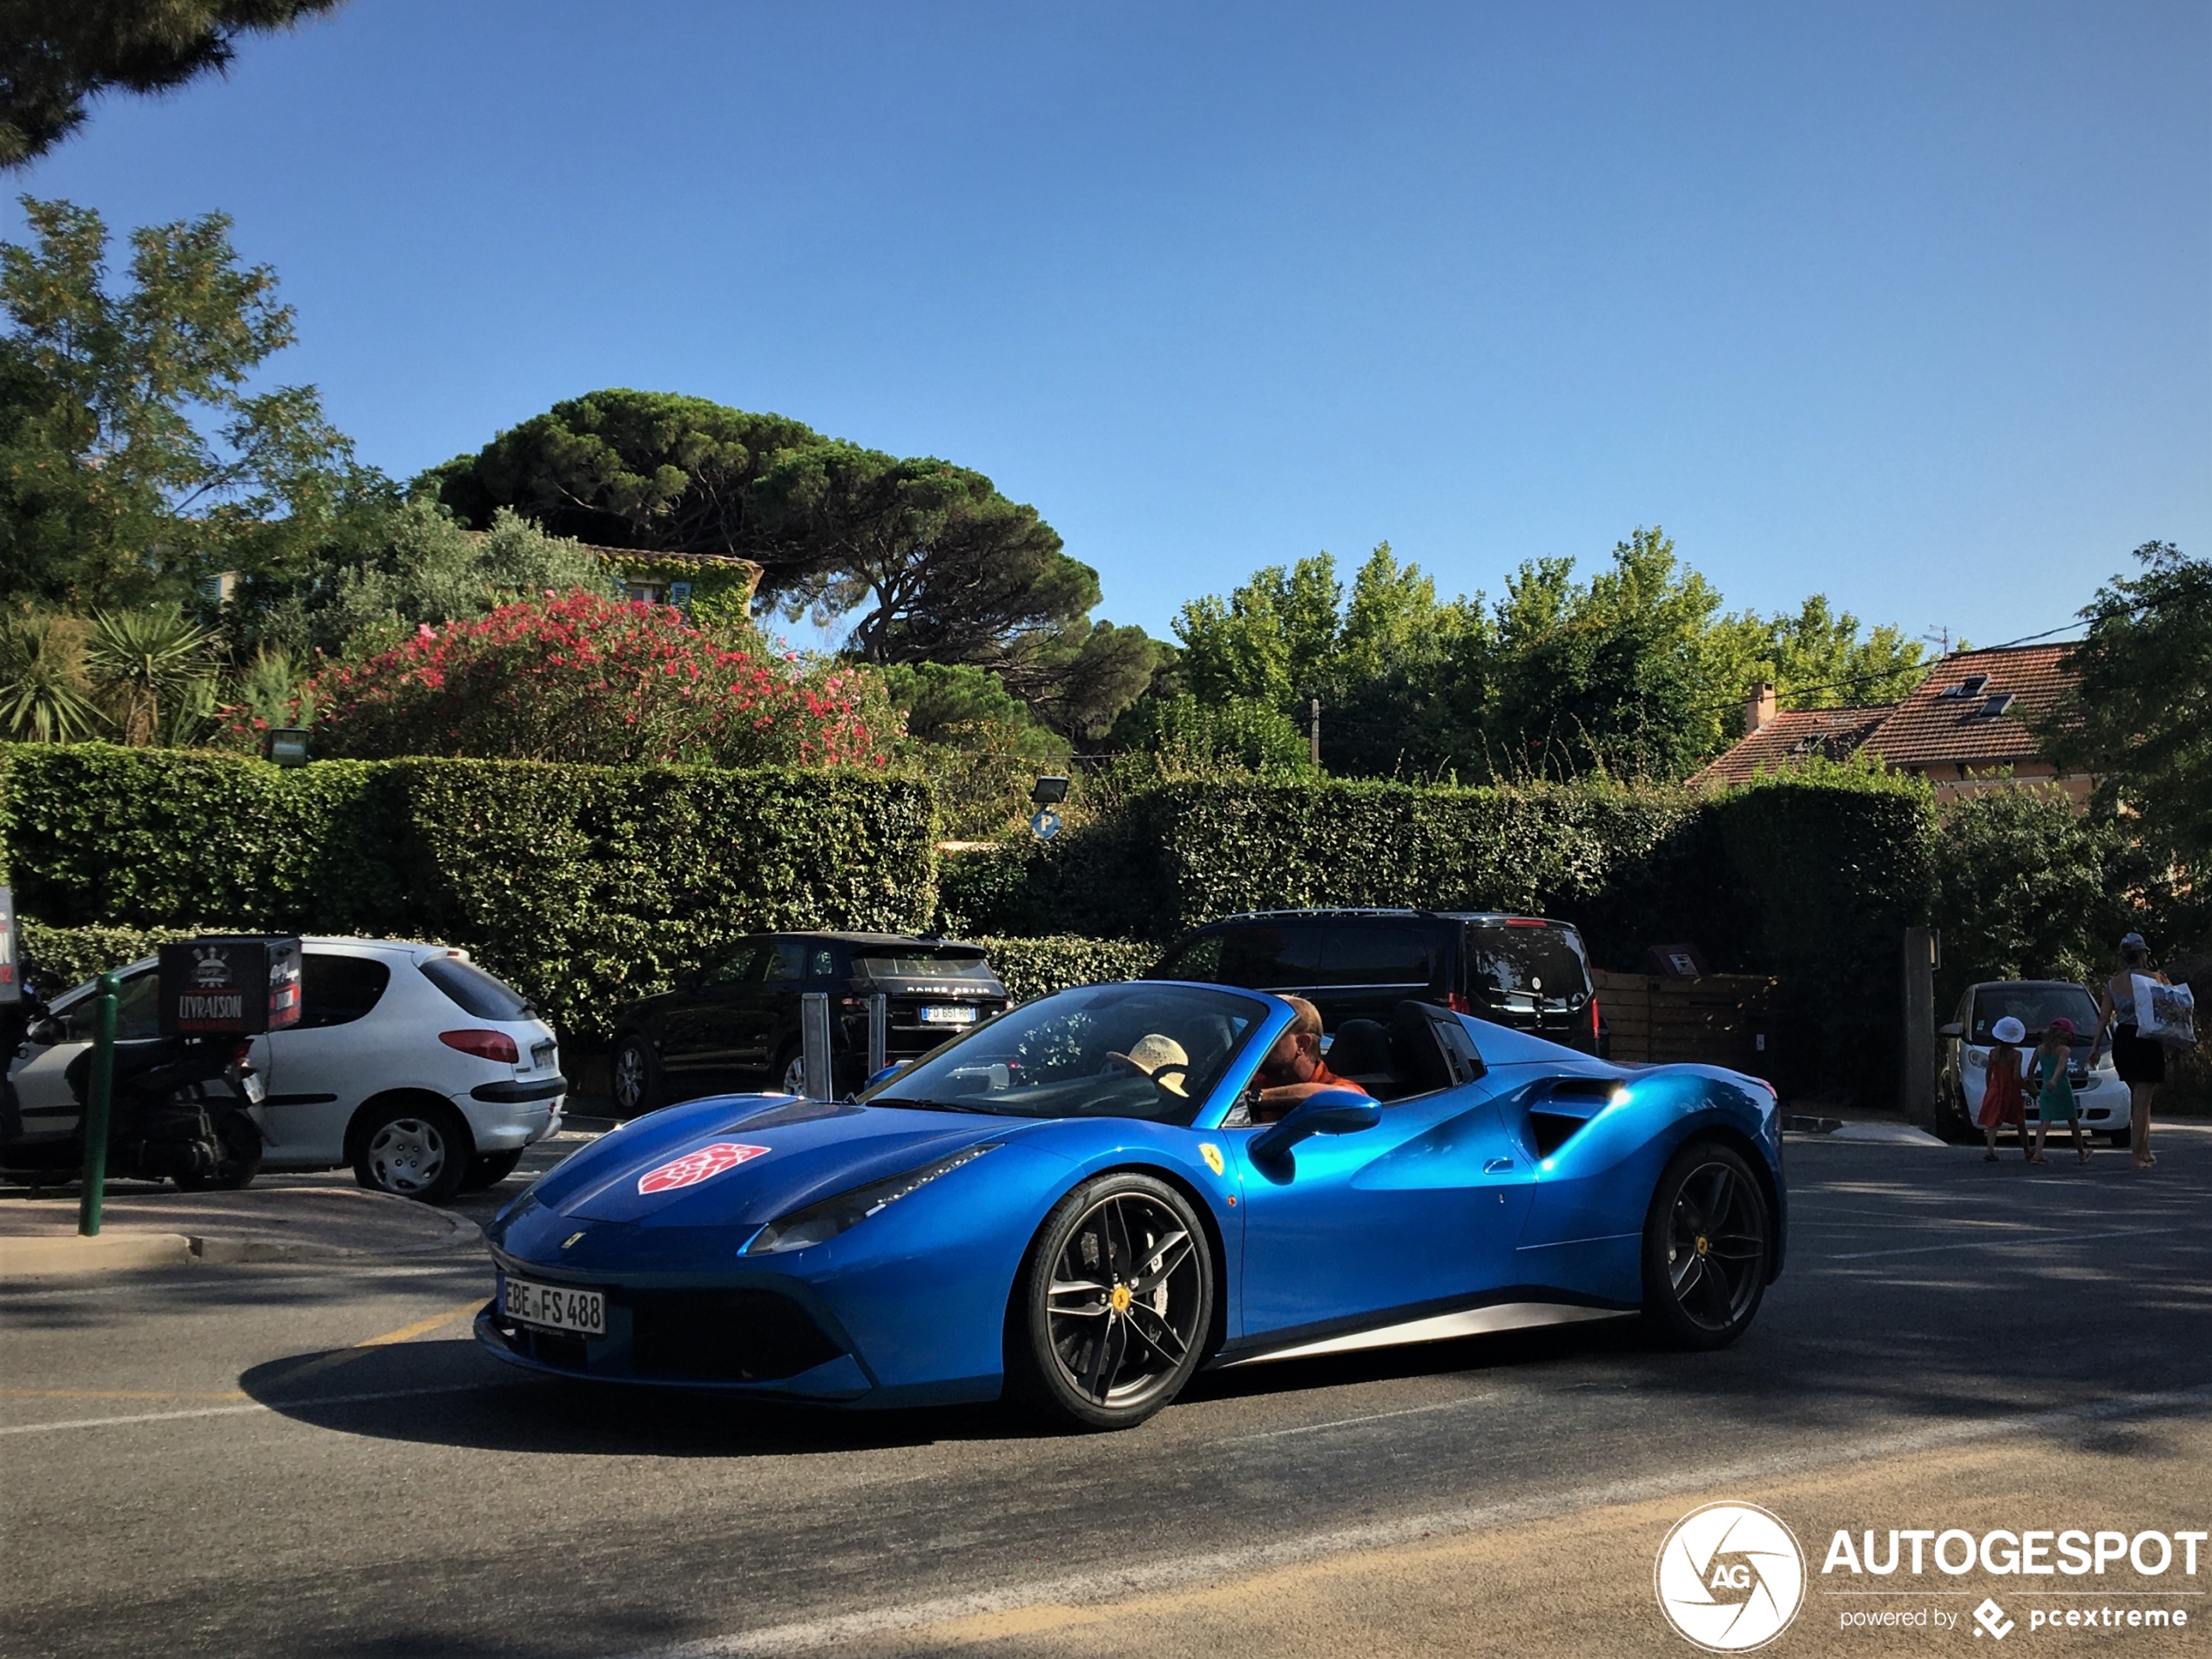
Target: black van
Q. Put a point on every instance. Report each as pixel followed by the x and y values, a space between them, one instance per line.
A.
pixel 734 1023
pixel 1526 971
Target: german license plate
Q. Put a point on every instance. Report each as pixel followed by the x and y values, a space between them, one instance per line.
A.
pixel 557 1307
pixel 947 1014
pixel 544 1055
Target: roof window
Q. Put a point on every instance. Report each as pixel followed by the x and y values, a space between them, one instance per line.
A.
pixel 1997 704
pixel 1970 687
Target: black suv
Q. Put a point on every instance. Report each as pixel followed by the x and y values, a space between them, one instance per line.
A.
pixel 734 1023
pixel 1525 971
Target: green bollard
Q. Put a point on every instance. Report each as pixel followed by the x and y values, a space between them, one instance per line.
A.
pixel 98 1087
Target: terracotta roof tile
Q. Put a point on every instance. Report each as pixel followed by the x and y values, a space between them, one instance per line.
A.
pixel 1833 734
pixel 1973 708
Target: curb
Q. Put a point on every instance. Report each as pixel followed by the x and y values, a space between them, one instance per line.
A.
pixel 118 1252
pixel 123 1252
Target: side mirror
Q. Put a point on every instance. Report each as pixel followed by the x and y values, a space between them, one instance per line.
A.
pixel 46 1032
pixel 1954 1029
pixel 688 980
pixel 1332 1111
pixel 885 1075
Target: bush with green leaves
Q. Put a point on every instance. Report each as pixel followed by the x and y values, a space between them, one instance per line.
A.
pixel 1032 968
pixel 585 886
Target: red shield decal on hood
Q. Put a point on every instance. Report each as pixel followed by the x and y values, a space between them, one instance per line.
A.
pixel 696 1166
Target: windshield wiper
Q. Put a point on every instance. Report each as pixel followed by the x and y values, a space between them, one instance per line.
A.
pixel 930 1105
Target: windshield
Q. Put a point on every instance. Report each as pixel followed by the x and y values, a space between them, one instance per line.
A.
pixel 1130 1050
pixel 2035 1007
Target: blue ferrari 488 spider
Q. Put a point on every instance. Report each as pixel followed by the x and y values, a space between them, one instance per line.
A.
pixel 1072 1205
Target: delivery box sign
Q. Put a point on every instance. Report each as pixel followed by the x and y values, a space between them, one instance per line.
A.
pixel 229 986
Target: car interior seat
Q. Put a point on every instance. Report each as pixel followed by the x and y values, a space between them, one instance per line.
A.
pixel 1361 1054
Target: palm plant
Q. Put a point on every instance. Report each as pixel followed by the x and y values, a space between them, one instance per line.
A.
pixel 143 662
pixel 42 682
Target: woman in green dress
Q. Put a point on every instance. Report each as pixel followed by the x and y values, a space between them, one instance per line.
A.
pixel 2054 1089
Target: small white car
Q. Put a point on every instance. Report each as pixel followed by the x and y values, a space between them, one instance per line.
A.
pixel 2098 1094
pixel 409 1063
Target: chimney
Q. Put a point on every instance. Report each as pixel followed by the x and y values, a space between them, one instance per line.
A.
pixel 1758 708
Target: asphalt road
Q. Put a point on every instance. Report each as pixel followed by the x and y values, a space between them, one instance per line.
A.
pixel 284 1461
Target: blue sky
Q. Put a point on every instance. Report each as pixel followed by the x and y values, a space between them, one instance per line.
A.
pixel 1907 303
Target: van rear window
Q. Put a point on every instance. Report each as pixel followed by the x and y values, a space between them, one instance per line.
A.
pixel 1537 961
pixel 924 964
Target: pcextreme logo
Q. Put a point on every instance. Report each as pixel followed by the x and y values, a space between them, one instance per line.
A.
pixel 1729 1577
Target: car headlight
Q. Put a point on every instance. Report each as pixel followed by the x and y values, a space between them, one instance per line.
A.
pixel 826 1217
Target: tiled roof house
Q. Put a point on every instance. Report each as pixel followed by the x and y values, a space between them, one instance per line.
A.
pixel 1966 727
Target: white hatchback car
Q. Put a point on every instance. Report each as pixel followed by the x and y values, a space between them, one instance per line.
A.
pixel 1962 1069
pixel 412 1064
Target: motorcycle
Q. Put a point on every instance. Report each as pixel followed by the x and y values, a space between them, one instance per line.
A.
pixel 178 1110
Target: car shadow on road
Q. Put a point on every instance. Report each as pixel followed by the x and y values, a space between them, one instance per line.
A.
pixel 451 1393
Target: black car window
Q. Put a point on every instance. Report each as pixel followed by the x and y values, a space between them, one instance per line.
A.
pixel 822 964
pixel 474 991
pixel 1364 954
pixel 787 960
pixel 1266 956
pixel 1198 959
pixel 740 967
pixel 138 1009
pixel 337 990
pixel 1542 962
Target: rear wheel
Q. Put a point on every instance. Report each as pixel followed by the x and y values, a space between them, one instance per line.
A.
pixel 488 1169
pixel 240 1140
pixel 790 1070
pixel 633 1076
pixel 1114 1306
pixel 1708 1243
pixel 412 1149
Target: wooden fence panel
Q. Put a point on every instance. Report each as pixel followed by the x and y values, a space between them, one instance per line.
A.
pixel 1714 1020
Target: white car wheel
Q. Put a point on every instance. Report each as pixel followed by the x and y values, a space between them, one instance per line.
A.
pixel 414 1152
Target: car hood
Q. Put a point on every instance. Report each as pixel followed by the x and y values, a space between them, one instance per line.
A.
pixel 743 1161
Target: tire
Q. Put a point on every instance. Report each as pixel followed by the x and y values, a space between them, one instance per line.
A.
pixel 1129 1323
pixel 2122 1137
pixel 488 1170
pixel 1708 1246
pixel 1952 1122
pixel 633 1076
pixel 241 1143
pixel 412 1150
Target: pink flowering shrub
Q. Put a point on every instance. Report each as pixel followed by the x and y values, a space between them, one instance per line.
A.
pixel 591 678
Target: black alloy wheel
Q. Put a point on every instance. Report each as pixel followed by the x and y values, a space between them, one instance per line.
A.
pixel 1114 1309
pixel 633 1076
pixel 1708 1243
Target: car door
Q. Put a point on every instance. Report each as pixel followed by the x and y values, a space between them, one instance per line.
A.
pixel 698 1036
pixel 766 1019
pixel 1411 1217
pixel 320 1069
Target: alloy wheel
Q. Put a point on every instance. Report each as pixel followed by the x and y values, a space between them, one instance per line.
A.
pixel 1124 1302
pixel 1717 1246
pixel 629 1080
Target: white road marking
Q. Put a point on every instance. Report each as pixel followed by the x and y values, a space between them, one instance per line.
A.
pixel 1346 1422
pixel 250 1406
pixel 807 1636
pixel 1997 1244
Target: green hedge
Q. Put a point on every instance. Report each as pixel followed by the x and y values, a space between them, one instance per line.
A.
pixel 585 886
pixel 1035 967
pixel 1810 877
pixel 59 959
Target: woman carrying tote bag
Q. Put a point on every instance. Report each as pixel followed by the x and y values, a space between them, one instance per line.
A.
pixel 2140 1060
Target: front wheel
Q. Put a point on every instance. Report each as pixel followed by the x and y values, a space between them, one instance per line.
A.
pixel 1114 1307
pixel 413 1151
pixel 1708 1242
